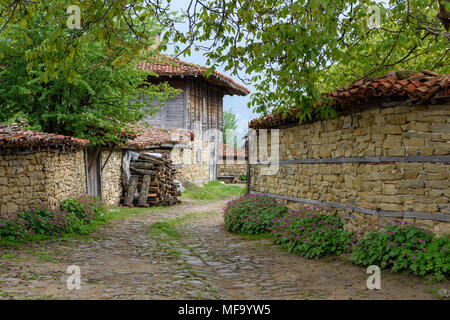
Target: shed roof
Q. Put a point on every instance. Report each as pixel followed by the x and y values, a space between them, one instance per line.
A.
pixel 155 136
pixel 402 86
pixel 166 66
pixel 14 136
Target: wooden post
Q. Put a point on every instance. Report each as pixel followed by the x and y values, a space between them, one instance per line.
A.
pixel 131 190
pixel 247 150
pixel 143 195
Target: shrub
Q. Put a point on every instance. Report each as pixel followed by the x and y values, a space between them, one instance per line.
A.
pixel 69 217
pixel 243 177
pixel 312 233
pixel 434 259
pixel 12 227
pixel 401 247
pixel 85 208
pixel 44 220
pixel 252 214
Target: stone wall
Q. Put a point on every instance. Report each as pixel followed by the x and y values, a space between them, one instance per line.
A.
pixel 192 161
pixel 112 177
pixel 235 168
pixel 28 180
pixel 194 173
pixel 373 165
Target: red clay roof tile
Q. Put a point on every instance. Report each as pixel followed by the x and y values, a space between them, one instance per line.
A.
pixel 155 136
pixel 231 152
pixel 13 136
pixel 402 85
pixel 166 66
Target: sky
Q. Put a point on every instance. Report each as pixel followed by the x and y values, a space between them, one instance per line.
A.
pixel 236 103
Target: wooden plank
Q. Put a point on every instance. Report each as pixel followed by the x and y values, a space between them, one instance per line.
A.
pixel 131 190
pixel 151 158
pixel 436 216
pixel 375 159
pixel 143 171
pixel 143 165
pixel 143 195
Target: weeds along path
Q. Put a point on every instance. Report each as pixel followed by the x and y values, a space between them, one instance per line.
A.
pixel 183 252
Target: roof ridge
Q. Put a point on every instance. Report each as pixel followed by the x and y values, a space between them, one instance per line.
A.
pixel 159 66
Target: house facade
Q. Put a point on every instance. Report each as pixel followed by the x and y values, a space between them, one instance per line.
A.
pixel 198 108
pixel 386 156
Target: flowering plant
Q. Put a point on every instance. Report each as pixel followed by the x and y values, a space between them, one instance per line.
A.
pixel 85 208
pixel 312 232
pixel 252 214
pixel 44 220
pixel 404 247
pixel 12 227
pixel 69 217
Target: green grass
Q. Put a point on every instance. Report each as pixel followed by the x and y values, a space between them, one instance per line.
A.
pixel 87 229
pixel 166 227
pixel 214 190
pixel 46 256
pixel 28 276
pixel 260 236
pixel 8 255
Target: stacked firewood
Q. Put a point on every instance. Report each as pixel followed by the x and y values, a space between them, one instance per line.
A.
pixel 152 181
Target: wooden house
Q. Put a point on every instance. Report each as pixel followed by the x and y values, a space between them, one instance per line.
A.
pixel 198 108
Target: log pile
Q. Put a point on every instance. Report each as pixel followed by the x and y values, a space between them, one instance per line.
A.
pixel 152 181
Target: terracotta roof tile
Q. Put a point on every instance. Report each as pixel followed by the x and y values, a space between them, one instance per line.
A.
pixel 13 136
pixel 166 66
pixel 154 136
pixel 402 85
pixel 231 152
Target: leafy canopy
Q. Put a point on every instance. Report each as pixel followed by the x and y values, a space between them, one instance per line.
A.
pixel 292 50
pixel 76 84
pixel 295 50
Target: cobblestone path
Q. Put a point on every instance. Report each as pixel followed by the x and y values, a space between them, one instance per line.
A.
pixel 124 260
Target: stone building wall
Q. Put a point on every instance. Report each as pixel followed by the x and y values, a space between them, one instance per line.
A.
pixel 373 166
pixel 28 180
pixel 112 177
pixel 192 161
pixel 194 173
pixel 235 168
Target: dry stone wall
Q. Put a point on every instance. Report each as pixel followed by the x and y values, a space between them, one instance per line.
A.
pixel 192 161
pixel 194 173
pixel 373 165
pixel 112 176
pixel 28 180
pixel 235 168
